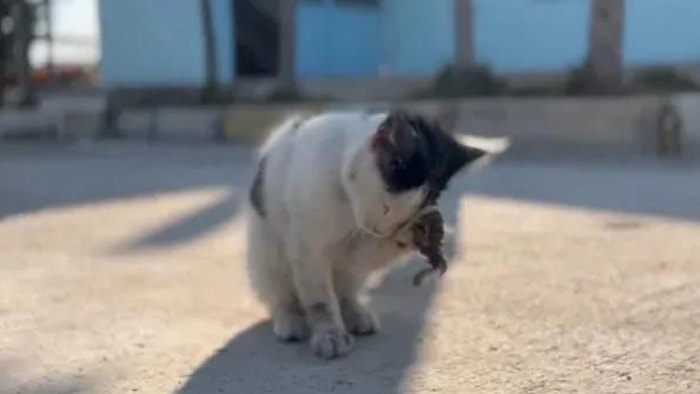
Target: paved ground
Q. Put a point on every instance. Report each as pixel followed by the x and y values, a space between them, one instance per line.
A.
pixel 121 271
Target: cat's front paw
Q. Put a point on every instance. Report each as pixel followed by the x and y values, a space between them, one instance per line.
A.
pixel 290 326
pixel 331 343
pixel 359 319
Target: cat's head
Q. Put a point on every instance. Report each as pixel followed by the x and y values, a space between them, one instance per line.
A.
pixel 405 166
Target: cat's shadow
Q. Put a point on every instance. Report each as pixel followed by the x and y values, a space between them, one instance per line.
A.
pixel 253 362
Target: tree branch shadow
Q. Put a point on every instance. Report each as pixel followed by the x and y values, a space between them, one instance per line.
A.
pixel 187 229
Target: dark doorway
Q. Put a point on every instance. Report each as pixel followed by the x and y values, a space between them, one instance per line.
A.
pixel 257 37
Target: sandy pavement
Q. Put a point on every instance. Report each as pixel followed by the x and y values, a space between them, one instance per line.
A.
pixel 121 271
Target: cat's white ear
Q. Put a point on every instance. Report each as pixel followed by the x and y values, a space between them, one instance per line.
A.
pixel 492 146
pixel 488 148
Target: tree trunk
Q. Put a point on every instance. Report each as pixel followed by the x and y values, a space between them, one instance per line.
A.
pixel 23 29
pixel 464 34
pixel 211 84
pixel 605 45
pixel 287 42
pixel 3 61
pixel 48 18
pixel 4 48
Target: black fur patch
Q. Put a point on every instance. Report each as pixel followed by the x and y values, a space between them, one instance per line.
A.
pixel 256 194
pixel 422 153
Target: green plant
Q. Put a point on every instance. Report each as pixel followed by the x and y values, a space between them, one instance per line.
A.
pixel 284 95
pixel 663 79
pixel 579 80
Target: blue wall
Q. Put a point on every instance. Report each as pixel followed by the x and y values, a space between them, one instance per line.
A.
pixel 418 36
pixel 338 40
pixel 510 35
pixel 537 35
pixel 660 32
pixel 531 35
pixel 159 42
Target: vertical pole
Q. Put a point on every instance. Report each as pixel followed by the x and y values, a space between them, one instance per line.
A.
pixel 287 42
pixel 24 35
pixel 210 53
pixel 48 18
pixel 4 13
pixel 464 34
pixel 605 44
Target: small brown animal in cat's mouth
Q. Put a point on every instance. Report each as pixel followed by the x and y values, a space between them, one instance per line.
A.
pixel 428 234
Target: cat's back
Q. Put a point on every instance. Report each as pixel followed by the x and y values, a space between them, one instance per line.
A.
pixel 312 144
pixel 303 157
pixel 330 133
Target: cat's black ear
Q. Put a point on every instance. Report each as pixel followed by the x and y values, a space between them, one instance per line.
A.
pixel 396 134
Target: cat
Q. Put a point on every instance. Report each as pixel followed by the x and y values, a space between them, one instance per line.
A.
pixel 334 199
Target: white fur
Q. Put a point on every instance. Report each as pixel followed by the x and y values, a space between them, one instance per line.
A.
pixel 329 224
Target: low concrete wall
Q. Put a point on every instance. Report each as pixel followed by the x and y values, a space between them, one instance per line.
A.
pixel 610 124
pixel 171 123
pixel 602 124
pixel 18 122
pixel 65 116
pixel 625 125
pixel 249 123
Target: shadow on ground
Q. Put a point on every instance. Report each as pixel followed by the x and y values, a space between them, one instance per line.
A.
pixel 188 228
pixel 251 361
pixel 254 362
pixel 35 177
pixel 634 187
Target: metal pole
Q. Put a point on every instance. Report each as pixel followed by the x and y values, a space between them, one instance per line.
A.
pixel 48 19
pixel 605 44
pixel 4 13
pixel 287 44
pixel 21 13
pixel 464 34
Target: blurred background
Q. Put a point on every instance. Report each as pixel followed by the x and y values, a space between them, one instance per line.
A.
pixel 127 130
pixel 128 57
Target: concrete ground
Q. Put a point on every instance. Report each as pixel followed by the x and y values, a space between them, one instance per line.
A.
pixel 121 270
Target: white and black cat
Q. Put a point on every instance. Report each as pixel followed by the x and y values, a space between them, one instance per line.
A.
pixel 334 200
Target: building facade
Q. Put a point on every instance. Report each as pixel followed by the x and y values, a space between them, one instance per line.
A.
pixel 160 42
